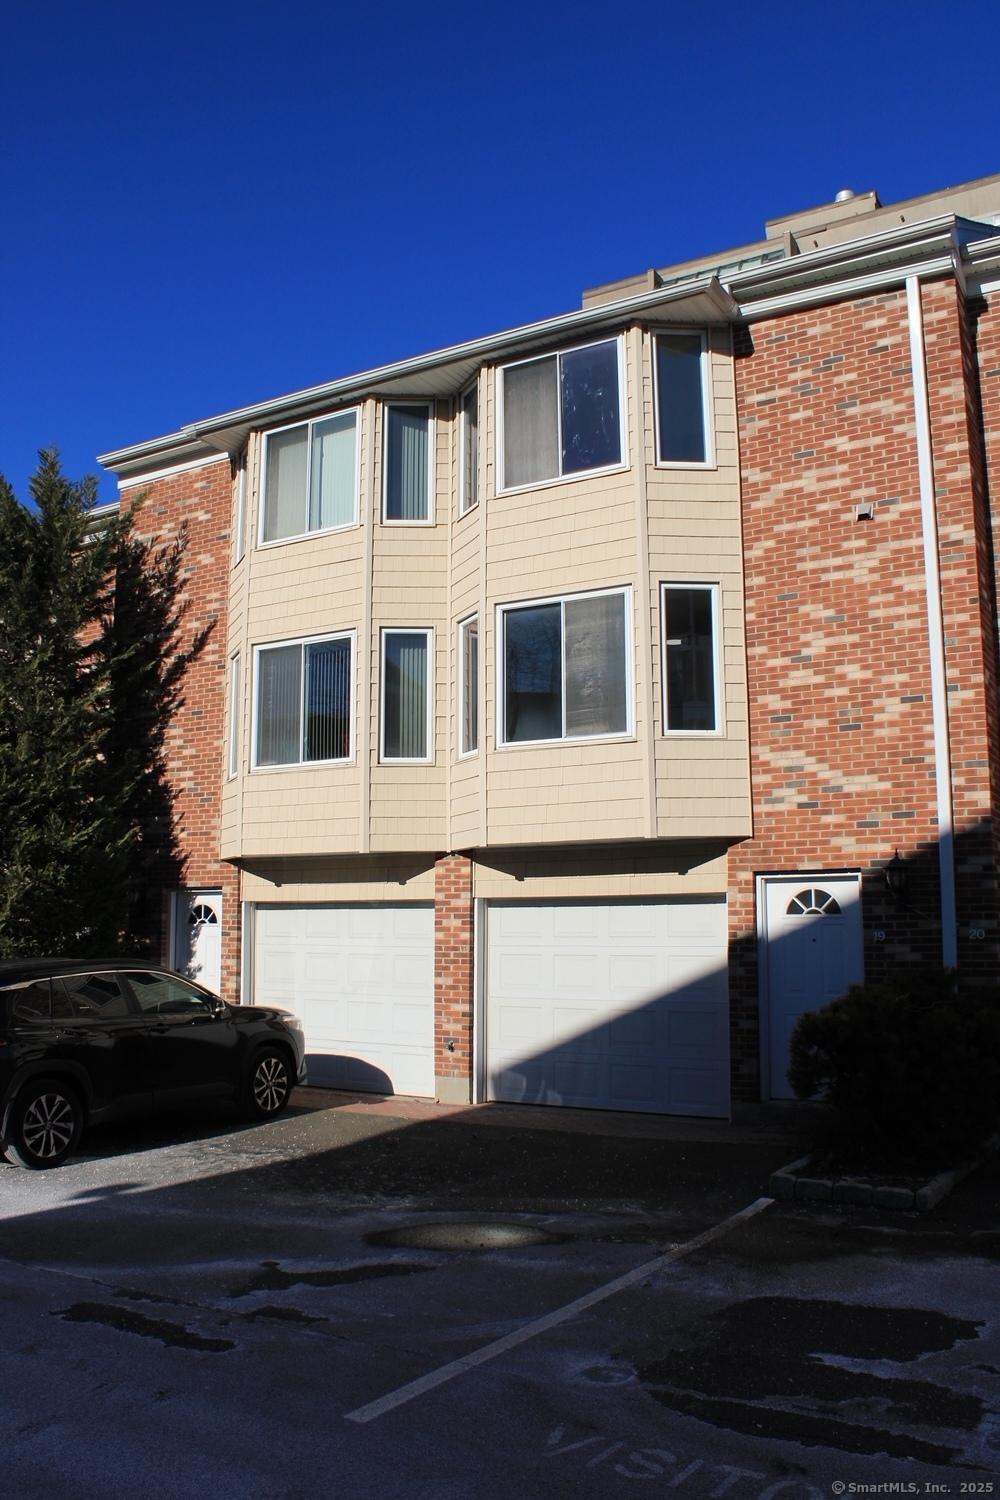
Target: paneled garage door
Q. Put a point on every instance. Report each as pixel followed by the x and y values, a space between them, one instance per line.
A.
pixel 362 980
pixel 622 1005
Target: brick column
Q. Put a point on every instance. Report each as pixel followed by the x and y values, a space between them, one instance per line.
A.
pixel 454 977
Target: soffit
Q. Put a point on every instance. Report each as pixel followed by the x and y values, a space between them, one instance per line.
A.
pixel 440 374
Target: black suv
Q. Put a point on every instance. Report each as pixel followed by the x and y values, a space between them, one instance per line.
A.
pixel 83 1041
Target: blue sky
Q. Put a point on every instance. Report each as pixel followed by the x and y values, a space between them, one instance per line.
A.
pixel 206 205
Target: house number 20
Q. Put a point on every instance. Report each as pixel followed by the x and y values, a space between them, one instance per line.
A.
pixel 977 934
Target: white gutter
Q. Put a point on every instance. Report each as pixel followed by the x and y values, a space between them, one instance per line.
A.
pixel 832 291
pixel 476 349
pixel 935 630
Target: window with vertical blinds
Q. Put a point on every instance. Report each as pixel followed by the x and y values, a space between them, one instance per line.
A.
pixel 470 451
pixel 407 463
pixel 310 477
pixel 405 695
pixel 303 702
pixel 468 686
pixel 235 708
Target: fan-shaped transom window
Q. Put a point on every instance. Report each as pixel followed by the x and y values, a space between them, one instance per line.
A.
pixel 813 903
pixel 202 915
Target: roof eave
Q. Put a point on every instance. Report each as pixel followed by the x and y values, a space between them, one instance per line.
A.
pixel 907 245
pixel 226 432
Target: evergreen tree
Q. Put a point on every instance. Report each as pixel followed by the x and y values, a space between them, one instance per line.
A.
pixel 90 671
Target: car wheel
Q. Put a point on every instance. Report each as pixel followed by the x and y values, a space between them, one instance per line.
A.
pixel 45 1124
pixel 269 1086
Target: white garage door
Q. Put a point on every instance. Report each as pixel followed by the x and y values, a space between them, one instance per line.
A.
pixel 621 1005
pixel 362 980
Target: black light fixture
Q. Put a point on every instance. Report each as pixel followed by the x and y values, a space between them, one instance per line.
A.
pixel 897 876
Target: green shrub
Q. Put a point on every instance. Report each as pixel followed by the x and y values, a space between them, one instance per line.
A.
pixel 910 1069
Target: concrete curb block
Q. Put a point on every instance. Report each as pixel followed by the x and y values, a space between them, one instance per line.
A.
pixel 785 1180
pixel 791 1184
pixel 940 1186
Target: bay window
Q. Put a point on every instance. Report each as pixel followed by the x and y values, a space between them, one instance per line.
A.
pixel 469 477
pixel 302 701
pixel 566 668
pixel 468 686
pixel 690 658
pixel 235 709
pixel 562 415
pixel 681 379
pixel 408 458
pixel 310 478
pixel 407 697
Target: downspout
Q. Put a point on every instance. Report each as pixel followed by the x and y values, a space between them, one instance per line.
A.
pixel 935 629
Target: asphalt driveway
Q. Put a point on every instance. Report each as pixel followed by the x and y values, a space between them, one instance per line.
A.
pixel 389 1299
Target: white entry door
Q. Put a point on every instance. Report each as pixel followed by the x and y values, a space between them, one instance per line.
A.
pixel 813 951
pixel 361 977
pixel 198 937
pixel 609 1005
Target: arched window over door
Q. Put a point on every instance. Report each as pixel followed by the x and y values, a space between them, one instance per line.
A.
pixel 813 902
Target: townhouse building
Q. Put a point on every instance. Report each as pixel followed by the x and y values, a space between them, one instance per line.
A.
pixel 584 702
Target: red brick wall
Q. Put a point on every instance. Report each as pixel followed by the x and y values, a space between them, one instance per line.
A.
pixel 201 500
pixel 842 760
pixel 968 599
pixel 453 966
pixel 984 341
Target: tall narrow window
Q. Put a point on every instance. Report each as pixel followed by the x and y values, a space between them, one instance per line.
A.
pixel 407 463
pixel 235 706
pixel 240 519
pixel 406 695
pixel 690 646
pixel 681 381
pixel 310 477
pixel 566 668
pixel 470 451
pixel 303 702
pixel 562 415
pixel 468 686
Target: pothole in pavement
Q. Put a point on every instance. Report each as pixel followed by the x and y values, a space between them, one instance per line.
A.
pixel 467 1234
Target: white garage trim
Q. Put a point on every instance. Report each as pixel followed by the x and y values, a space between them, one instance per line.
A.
pixel 609 1004
pixel 361 977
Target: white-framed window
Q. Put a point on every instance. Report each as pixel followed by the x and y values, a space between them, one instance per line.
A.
pixel 311 477
pixel 561 415
pixel 304 701
pixel 408 463
pixel 566 668
pixel 681 376
pixel 468 686
pixel 240 519
pixel 468 484
pixel 235 705
pixel 690 645
pixel 407 700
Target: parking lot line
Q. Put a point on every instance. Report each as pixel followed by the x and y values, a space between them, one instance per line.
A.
pixel 563 1314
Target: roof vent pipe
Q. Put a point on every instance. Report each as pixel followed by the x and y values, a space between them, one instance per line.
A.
pixel 845 195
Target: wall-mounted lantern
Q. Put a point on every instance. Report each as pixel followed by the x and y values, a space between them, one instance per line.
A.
pixel 897 877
